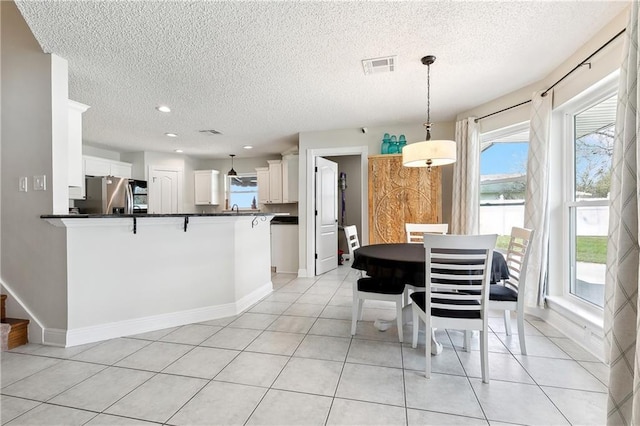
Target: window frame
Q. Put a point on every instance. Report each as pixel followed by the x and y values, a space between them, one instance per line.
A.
pixel 561 297
pixel 227 188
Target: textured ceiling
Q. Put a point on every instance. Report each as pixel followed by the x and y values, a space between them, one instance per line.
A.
pixel 261 72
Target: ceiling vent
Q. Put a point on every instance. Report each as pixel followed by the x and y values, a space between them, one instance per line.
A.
pixel 211 132
pixel 378 65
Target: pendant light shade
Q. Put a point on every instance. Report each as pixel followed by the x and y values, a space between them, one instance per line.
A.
pixel 232 172
pixel 429 153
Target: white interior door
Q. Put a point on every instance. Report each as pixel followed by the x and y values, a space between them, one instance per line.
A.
pixel 163 191
pixel 326 215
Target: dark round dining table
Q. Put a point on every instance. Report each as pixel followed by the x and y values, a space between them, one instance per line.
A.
pixel 405 263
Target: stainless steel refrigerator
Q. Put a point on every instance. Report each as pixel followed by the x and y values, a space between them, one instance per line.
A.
pixel 107 195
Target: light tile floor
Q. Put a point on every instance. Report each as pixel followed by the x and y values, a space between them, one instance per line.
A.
pixel 291 360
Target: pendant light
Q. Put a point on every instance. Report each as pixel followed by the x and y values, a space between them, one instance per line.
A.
pixel 232 172
pixel 429 153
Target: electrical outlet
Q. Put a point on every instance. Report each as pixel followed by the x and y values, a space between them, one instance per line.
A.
pixel 23 184
pixel 40 183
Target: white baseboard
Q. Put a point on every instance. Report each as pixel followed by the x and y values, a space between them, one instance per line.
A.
pixel 113 330
pixel 579 329
pixel 54 337
pixel 253 297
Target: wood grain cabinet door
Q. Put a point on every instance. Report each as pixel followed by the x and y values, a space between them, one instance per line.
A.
pixel 399 195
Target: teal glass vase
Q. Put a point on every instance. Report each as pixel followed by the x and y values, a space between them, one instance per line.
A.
pixel 393 145
pixel 384 149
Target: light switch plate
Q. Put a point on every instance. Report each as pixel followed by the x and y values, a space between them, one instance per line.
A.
pixel 40 183
pixel 23 184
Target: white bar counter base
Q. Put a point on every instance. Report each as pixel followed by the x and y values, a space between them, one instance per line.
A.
pixel 120 283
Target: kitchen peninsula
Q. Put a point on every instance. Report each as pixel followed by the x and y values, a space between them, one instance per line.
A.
pixel 130 274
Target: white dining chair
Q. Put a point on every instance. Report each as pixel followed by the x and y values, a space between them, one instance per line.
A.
pixel 376 289
pixel 351 233
pixel 415 235
pixel 415 231
pixel 457 276
pixel 509 296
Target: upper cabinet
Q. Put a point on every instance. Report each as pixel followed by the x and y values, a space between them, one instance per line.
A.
pixel 207 187
pixel 75 163
pixel 290 179
pixel 262 173
pixel 275 181
pixel 96 166
pixel 278 183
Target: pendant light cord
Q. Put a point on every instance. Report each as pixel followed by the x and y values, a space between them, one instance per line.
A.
pixel 428 123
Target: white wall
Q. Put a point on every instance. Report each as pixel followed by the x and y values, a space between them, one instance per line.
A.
pixel 102 153
pixel 33 252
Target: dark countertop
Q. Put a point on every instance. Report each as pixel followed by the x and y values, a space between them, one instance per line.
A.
pixel 113 216
pixel 285 220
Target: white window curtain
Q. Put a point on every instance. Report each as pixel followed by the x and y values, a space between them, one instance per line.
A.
pixel 622 281
pixel 536 203
pixel 465 208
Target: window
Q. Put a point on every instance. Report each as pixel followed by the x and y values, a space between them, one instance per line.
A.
pixel 587 203
pixel 242 190
pixel 503 172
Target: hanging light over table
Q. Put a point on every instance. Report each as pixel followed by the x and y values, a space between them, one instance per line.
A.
pixel 232 172
pixel 429 153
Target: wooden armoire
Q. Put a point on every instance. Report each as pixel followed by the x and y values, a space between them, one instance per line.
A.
pixel 399 195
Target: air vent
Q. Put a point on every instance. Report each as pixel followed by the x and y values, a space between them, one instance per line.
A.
pixel 378 65
pixel 211 132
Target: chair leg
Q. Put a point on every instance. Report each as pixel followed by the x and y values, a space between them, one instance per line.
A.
pixel 405 295
pixel 360 306
pixel 520 319
pixel 507 322
pixel 427 349
pixel 354 316
pixel 467 341
pixel 416 327
pixel 399 318
pixel 484 355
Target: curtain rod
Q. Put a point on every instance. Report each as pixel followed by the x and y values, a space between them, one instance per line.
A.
pixel 562 78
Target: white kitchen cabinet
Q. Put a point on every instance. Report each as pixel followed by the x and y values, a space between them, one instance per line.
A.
pixel 206 187
pixel 75 161
pixel 96 166
pixel 284 248
pixel 275 181
pixel 262 174
pixel 278 183
pixel 290 179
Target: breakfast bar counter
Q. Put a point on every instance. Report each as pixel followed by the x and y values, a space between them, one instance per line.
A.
pixel 130 274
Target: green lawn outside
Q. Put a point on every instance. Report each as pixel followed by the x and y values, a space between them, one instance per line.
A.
pixel 589 249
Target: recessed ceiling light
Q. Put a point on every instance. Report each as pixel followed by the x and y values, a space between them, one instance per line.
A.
pixel 163 108
pixel 179 151
pixel 247 147
pixel 171 135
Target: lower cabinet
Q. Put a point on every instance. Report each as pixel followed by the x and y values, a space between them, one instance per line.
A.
pixel 284 248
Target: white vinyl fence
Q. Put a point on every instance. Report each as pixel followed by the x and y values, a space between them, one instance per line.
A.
pixel 499 218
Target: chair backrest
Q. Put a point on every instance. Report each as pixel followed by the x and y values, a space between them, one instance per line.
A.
pixel 415 231
pixel 458 273
pixel 351 232
pixel 518 258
